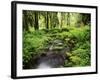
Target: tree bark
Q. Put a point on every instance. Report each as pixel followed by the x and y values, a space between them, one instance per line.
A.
pixel 36 26
pixel 47 21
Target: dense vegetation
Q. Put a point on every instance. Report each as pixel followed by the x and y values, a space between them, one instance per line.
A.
pixel 67 33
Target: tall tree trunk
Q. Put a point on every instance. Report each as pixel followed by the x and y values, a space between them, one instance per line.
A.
pixel 36 26
pixel 47 21
pixel 60 19
pixel 25 20
pixel 68 19
pixel 51 22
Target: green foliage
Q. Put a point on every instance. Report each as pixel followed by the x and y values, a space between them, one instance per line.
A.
pixel 72 30
pixel 77 39
pixel 80 53
pixel 80 57
pixel 33 43
pixel 81 34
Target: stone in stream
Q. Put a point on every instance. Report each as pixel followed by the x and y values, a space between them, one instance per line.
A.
pixel 59 42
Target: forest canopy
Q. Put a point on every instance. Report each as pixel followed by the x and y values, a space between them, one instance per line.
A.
pixel 64 34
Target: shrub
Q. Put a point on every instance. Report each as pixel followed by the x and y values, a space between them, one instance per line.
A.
pixel 81 34
pixel 32 44
pixel 81 57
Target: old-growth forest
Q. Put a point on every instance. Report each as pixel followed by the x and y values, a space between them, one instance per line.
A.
pixel 57 39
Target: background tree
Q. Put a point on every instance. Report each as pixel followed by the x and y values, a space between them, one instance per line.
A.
pixel 68 19
pixel 25 20
pixel 49 20
pixel 86 18
pixel 36 25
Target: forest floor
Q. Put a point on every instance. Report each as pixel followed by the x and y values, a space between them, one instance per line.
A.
pixel 67 47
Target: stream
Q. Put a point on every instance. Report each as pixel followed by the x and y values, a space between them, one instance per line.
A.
pixel 54 57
